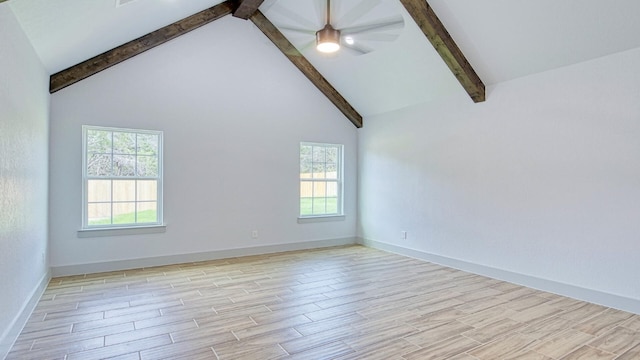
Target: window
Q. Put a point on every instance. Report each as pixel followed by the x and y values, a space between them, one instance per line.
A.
pixel 122 177
pixel 320 179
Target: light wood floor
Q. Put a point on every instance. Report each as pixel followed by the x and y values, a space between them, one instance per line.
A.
pixel 337 303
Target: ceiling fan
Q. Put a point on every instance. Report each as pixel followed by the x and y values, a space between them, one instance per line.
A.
pixel 359 28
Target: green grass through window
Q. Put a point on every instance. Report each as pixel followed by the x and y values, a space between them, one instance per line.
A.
pixel 318 206
pixel 146 216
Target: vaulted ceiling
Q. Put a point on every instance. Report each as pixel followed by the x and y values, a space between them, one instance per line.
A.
pixel 501 39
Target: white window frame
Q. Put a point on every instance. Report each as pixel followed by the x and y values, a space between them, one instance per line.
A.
pixel 339 182
pixel 86 178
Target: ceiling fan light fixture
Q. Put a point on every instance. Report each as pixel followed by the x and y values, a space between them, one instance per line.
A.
pixel 328 39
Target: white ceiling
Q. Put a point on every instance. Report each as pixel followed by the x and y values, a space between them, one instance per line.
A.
pixel 502 39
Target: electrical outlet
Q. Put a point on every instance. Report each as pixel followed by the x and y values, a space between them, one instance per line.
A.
pixel 254 234
pixel 403 234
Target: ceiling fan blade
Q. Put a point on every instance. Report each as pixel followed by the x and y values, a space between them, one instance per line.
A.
pixel 295 17
pixel 306 46
pixel 358 49
pixel 297 30
pixel 384 24
pixel 358 11
pixel 266 5
pixel 375 37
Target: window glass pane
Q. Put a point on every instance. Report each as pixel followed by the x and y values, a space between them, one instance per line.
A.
pixel 306 206
pixel 332 154
pixel 332 171
pixel 124 143
pixel 147 144
pixel 99 141
pixel 332 189
pixel 319 206
pixel 306 160
pixel 99 214
pixel 147 166
pixel 147 212
pixel 332 205
pixel 306 152
pixel 318 171
pixel 124 190
pixel 124 213
pixel 319 189
pixel 98 165
pixel 99 190
pixel 306 170
pixel 319 154
pixel 306 189
pixel 124 165
pixel 147 190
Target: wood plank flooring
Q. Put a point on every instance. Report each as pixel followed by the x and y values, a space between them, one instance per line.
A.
pixel 337 303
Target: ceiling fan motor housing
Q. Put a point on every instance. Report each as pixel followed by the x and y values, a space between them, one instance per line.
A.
pixel 328 39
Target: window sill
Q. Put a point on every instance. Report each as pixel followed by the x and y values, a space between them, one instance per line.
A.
pixel 137 230
pixel 321 218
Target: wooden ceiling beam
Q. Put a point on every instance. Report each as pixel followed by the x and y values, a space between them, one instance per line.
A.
pixel 135 47
pixel 246 8
pixel 305 66
pixel 439 37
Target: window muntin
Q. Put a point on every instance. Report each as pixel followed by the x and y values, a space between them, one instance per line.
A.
pixel 320 179
pixel 122 177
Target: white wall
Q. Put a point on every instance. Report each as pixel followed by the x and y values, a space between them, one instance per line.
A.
pixel 541 180
pixel 24 105
pixel 233 110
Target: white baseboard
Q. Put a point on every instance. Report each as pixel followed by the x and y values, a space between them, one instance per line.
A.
pixel 11 334
pixel 193 257
pixel 572 291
